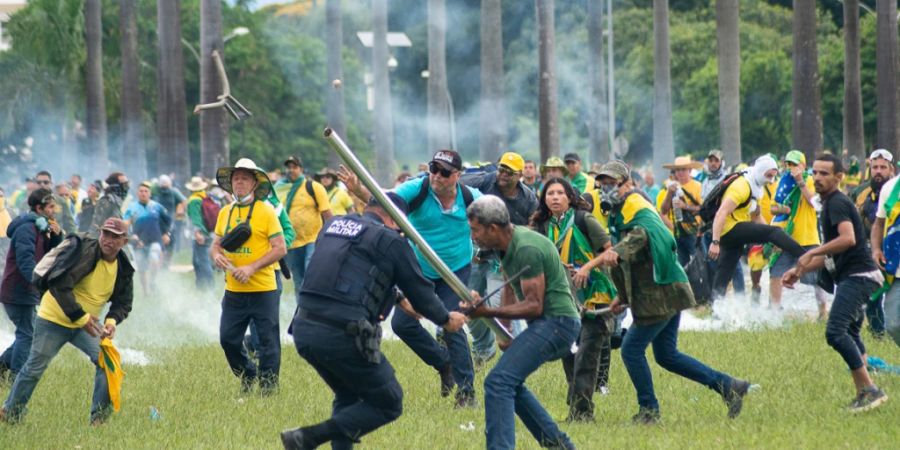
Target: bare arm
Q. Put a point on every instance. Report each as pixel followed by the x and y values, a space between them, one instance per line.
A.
pixel 877 239
pixel 846 239
pixel 530 308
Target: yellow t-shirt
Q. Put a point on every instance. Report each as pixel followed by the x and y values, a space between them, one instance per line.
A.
pixel 597 212
pixel 693 188
pixel 264 225
pixel 340 201
pixel 92 293
pixel 738 192
pixel 806 225
pixel 305 217
pixel 765 203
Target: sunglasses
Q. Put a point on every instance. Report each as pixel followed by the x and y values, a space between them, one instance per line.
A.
pixel 507 171
pixel 436 169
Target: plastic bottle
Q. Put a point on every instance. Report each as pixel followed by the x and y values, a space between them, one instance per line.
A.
pixel 679 214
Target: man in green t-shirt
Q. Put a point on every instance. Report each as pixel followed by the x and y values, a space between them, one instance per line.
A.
pixel 541 295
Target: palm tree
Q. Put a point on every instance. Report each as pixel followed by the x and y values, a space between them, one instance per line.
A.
pixel 134 155
pixel 384 122
pixel 493 126
pixel 854 140
pixel 548 114
pixel 729 62
pixel 886 76
pixel 213 122
pixel 598 126
pixel 438 124
pixel 98 154
pixel 334 42
pixel 806 116
pixel 171 115
pixel 663 142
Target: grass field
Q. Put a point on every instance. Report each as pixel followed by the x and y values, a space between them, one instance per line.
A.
pixel 804 387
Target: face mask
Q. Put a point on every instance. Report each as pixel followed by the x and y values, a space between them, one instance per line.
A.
pixel 245 200
pixel 609 197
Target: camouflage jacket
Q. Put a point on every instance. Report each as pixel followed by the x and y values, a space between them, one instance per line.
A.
pixel 110 205
pixel 650 302
pixel 64 214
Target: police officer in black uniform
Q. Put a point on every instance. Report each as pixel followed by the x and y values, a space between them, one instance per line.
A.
pixel 349 288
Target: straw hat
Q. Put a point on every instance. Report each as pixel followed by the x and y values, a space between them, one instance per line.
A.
pixel 263 185
pixel 683 162
pixel 196 184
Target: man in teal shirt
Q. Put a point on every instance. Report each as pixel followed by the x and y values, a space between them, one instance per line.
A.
pixel 540 295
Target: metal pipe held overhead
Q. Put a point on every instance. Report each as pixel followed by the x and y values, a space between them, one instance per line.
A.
pixel 411 233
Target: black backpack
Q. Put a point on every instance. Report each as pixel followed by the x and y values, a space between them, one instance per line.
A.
pixel 417 201
pixel 56 262
pixel 714 199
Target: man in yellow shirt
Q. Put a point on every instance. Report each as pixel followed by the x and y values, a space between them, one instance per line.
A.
pixel 738 223
pixel 308 207
pixel 99 273
pixel 251 291
pixel 681 204
pixel 338 198
pixel 797 216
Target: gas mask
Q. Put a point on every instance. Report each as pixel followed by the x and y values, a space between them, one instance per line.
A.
pixel 609 197
pixel 119 190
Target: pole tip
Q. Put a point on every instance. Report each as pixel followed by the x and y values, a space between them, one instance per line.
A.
pixel 328 132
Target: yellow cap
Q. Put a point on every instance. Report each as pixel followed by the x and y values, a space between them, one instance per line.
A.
pixel 513 160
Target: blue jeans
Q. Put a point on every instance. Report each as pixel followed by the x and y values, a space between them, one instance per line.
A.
pixel 846 317
pixel 49 338
pixel 411 332
pixel 22 316
pixel 686 244
pixel 202 263
pixel 875 316
pixel 297 260
pixel 366 396
pixel 238 308
pixel 664 337
pixel 505 395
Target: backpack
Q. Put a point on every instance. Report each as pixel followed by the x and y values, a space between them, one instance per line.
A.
pixel 417 201
pixel 714 199
pixel 210 211
pixel 56 262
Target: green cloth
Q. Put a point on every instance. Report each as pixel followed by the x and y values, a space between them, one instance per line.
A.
pixel 579 181
pixel 575 248
pixel 295 185
pixel 793 201
pixel 195 213
pixel 529 248
pixel 637 212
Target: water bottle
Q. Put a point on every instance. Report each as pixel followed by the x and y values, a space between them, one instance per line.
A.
pixel 154 413
pixel 679 214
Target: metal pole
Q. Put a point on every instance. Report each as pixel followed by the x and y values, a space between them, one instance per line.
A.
pixel 411 233
pixel 610 79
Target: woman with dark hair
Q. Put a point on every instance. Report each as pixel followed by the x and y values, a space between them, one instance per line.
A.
pixel 565 218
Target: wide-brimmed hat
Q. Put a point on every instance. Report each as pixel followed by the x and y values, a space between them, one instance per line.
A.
pixel 683 162
pixel 325 172
pixel 263 185
pixel 196 184
pixel 553 162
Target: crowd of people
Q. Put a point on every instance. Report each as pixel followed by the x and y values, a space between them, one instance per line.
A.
pixel 569 250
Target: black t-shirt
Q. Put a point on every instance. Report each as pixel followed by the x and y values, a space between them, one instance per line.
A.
pixel 857 259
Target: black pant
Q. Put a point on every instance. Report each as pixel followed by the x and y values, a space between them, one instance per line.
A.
pixel 584 367
pixel 846 318
pixel 238 308
pixel 731 247
pixel 366 395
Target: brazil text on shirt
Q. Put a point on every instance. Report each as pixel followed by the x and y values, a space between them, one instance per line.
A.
pixel 446 231
pixel 346 228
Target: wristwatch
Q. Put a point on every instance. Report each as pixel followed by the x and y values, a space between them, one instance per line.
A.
pixel 715 241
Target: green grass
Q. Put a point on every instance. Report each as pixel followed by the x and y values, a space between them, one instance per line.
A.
pixel 805 386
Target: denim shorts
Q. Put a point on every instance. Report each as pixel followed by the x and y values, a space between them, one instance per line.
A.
pixel 786 261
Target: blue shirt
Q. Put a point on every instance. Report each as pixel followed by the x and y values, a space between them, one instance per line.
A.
pixel 149 221
pixel 446 231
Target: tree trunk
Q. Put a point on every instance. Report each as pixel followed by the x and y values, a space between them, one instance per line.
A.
pixel 854 138
pixel 598 127
pixel 438 125
pixel 98 154
pixel 663 142
pixel 171 118
pixel 886 76
pixel 548 115
pixel 493 125
pixel 335 42
pixel 806 120
pixel 213 122
pixel 134 154
pixel 384 122
pixel 729 62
